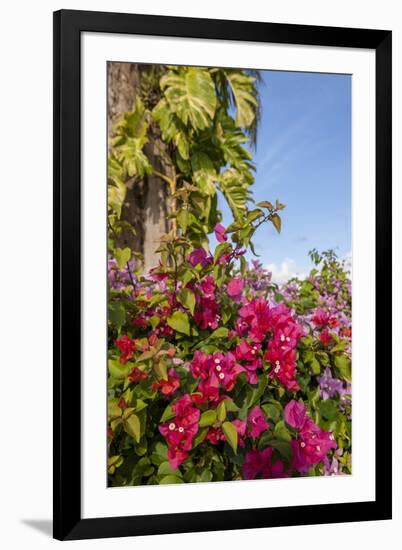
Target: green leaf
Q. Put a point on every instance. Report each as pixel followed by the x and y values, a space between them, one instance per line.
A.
pixel 343 364
pixel 117 370
pixel 231 435
pixel 122 256
pixel 315 365
pixel 276 222
pixel 170 479
pixel 167 414
pixel 187 299
pixel 113 410
pixel 281 432
pixel 199 438
pixel 165 470
pixel 221 332
pixel 221 411
pixel 190 93
pixel 133 427
pixel 272 411
pixel 117 314
pixel 179 322
pixel 283 447
pixel 242 89
pixel 207 418
pixel 328 409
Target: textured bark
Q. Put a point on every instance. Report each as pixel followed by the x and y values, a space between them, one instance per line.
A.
pixel 146 207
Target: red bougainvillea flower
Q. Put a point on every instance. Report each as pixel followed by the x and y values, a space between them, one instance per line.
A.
pixel 325 337
pixel 169 386
pixel 137 375
pixel 126 346
pixel 235 288
pixel 259 463
pixel 199 256
pixel 180 431
pixel 256 422
pixel 320 317
pixel 312 443
pixel 220 233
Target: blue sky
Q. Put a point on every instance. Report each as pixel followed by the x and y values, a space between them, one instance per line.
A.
pixel 303 158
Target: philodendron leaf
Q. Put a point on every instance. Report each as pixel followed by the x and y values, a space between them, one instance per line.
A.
pixel 179 322
pixel 231 435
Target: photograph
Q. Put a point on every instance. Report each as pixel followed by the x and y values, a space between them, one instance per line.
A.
pixel 229 268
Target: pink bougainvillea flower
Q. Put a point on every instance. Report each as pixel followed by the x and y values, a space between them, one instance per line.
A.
pixel 256 422
pixel 260 464
pixel 215 435
pixel 126 346
pixel 169 386
pixel 311 446
pixel 220 233
pixel 199 256
pixel 247 352
pixel 295 414
pixel 283 367
pixel 235 288
pixel 176 456
pixel 216 371
pixel 180 431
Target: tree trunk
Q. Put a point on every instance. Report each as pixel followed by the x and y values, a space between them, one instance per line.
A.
pixel 146 207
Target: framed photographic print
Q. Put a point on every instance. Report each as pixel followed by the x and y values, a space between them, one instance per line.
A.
pixel 218 186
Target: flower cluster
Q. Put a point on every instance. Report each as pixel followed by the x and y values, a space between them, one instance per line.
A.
pixel 216 373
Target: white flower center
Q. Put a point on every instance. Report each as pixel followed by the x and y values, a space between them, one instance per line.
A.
pixel 318 448
pixel 302 444
pixel 287 339
pixel 217 361
pixel 181 429
pixel 277 363
pixel 253 352
pixel 282 338
pixel 218 368
pixel 221 376
pixel 277 369
pixel 172 426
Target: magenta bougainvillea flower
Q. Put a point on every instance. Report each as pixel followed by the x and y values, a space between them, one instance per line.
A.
pixel 215 371
pixel 256 422
pixel 295 414
pixel 220 233
pixel 199 256
pixel 235 288
pixel 180 431
pixel 312 443
pixel 206 313
pixel 260 464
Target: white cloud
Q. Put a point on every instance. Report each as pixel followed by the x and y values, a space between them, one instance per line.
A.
pixel 281 273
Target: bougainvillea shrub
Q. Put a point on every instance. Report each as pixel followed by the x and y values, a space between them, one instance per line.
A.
pixel 215 373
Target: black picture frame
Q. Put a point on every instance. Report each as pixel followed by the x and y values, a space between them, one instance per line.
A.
pixel 68 26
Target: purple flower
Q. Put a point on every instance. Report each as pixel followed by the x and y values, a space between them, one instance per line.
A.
pixel 220 233
pixel 295 414
pixel 329 386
